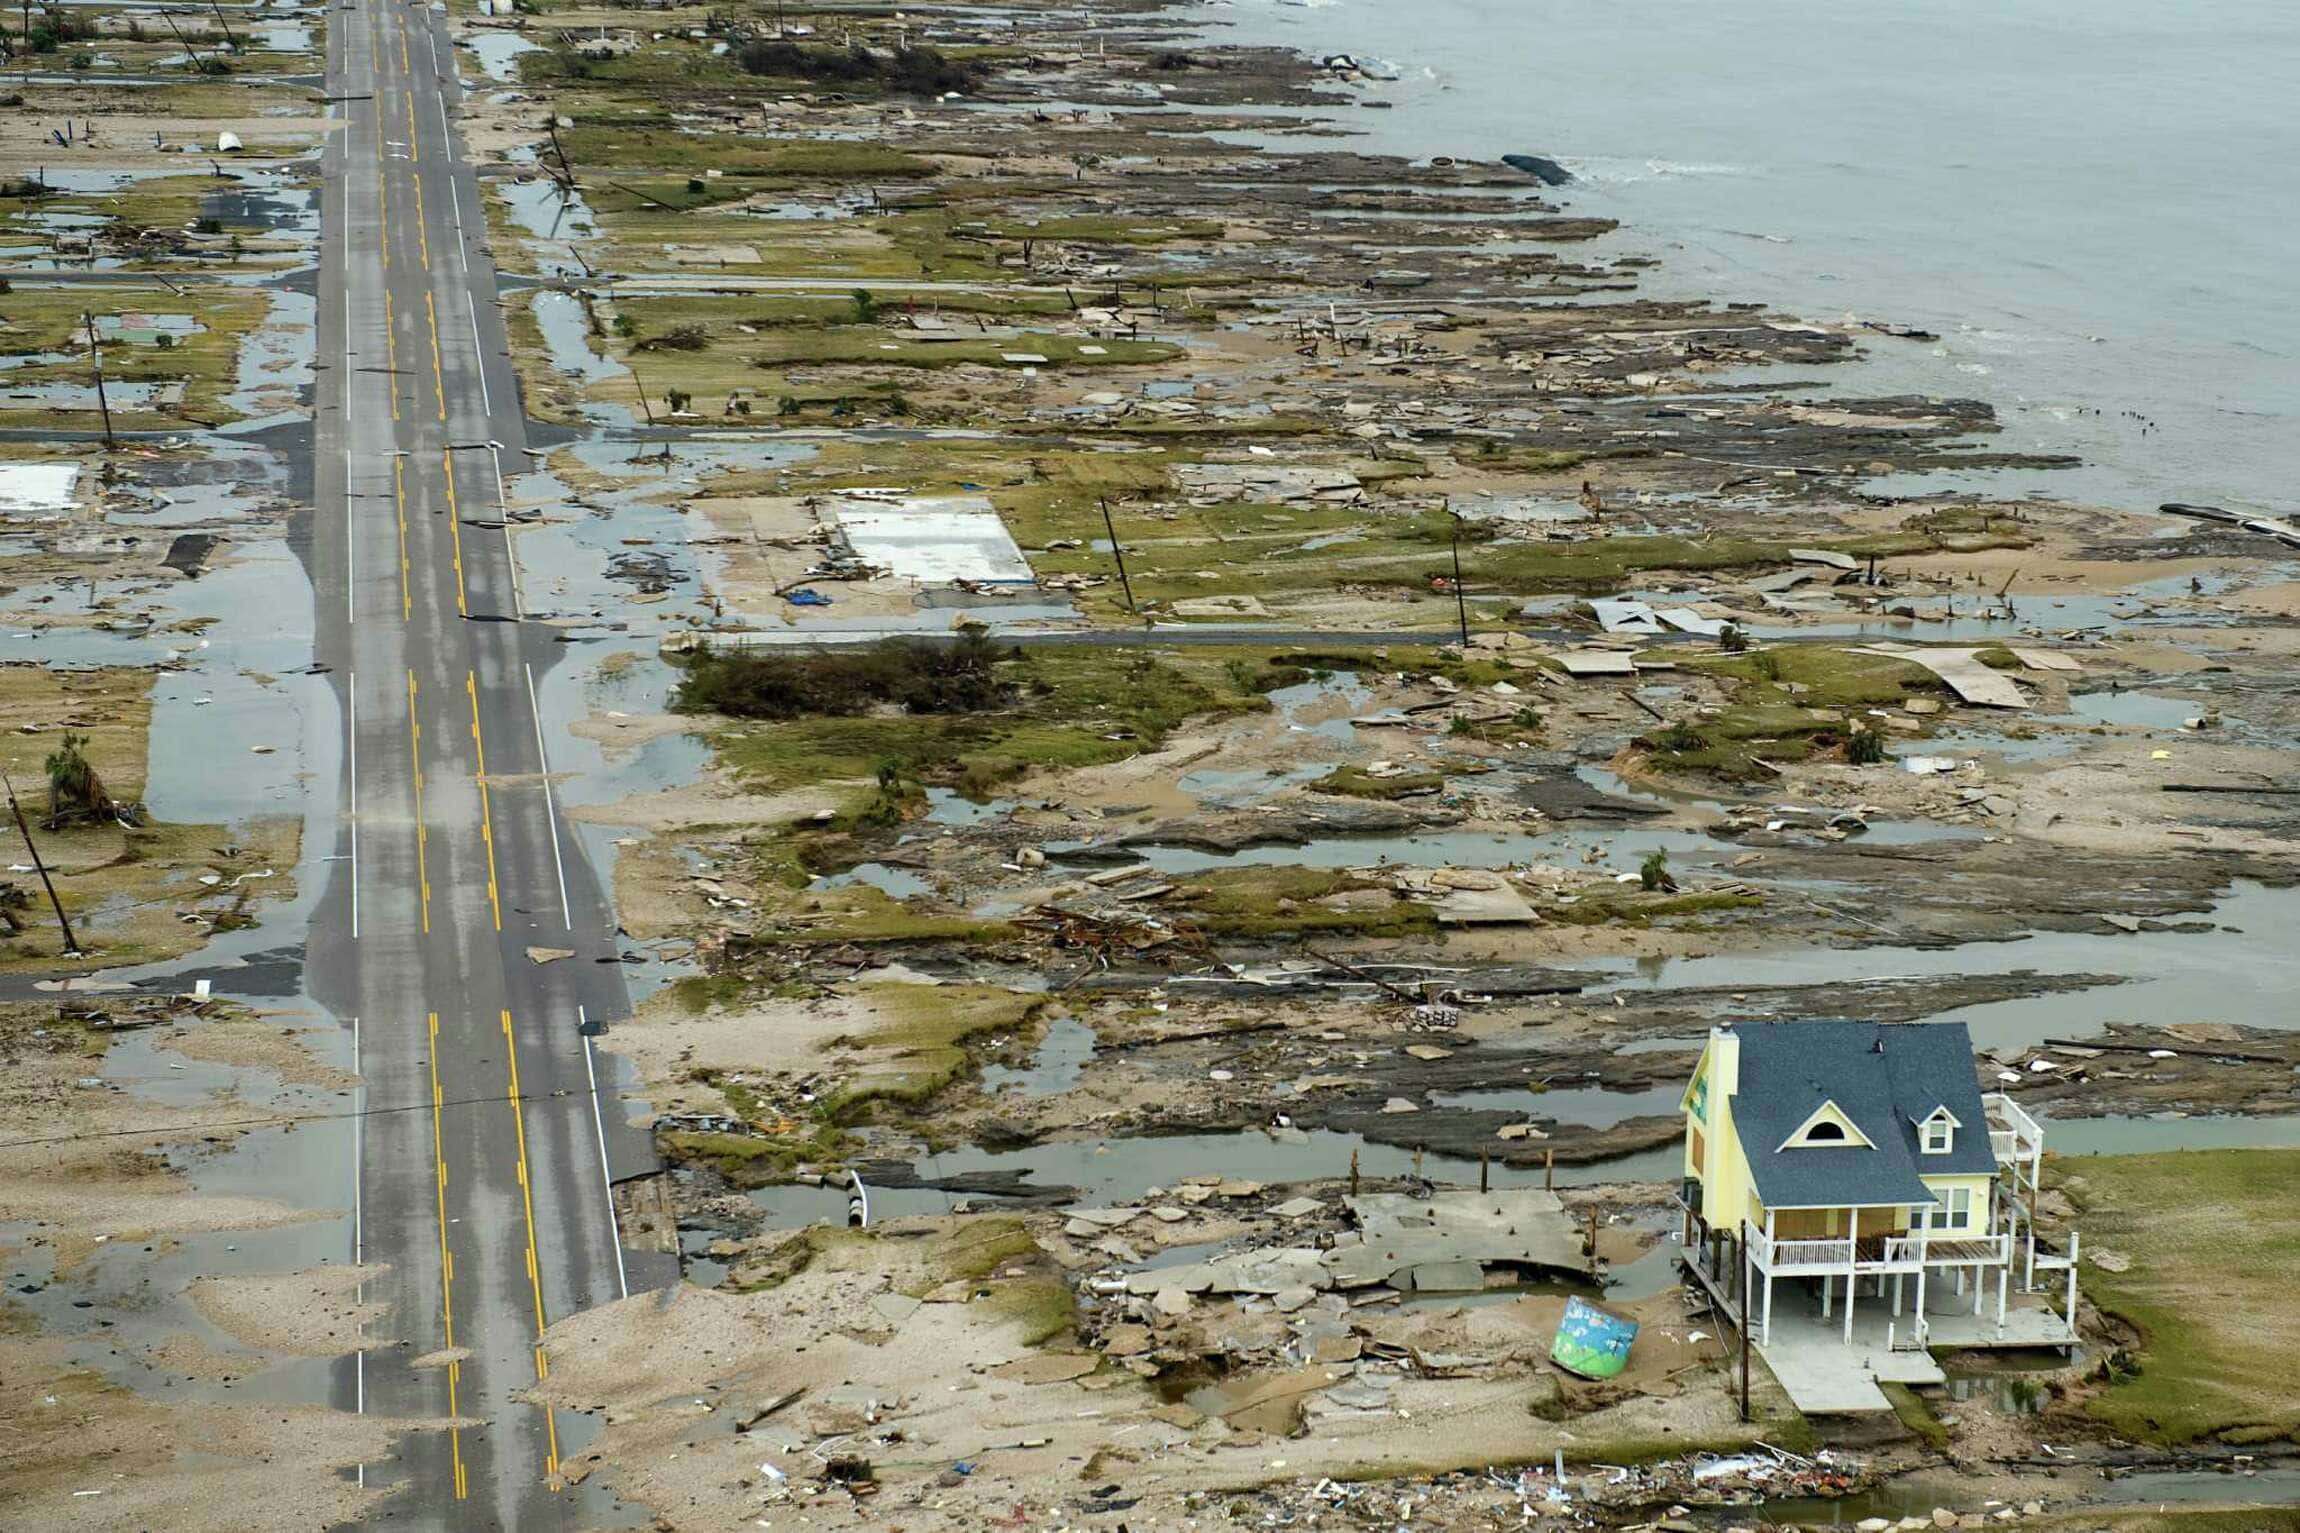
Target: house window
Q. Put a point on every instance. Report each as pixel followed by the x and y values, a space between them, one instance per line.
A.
pixel 1938 1134
pixel 1953 1212
pixel 1825 1132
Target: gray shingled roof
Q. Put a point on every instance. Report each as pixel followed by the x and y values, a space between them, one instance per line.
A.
pixel 1788 1069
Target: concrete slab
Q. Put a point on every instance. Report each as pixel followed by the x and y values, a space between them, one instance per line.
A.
pixel 934 539
pixel 1823 1373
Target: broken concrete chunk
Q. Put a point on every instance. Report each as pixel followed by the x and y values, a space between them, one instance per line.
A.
pixel 1297 1208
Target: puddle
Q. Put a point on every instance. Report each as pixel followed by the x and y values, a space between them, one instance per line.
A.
pixel 540 208
pixel 2227 974
pixel 1591 1106
pixel 567 341
pixel 1054 1067
pixel 947 806
pixel 902 883
pixel 498 53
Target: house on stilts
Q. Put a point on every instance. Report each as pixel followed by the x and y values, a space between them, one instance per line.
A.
pixel 1850 1190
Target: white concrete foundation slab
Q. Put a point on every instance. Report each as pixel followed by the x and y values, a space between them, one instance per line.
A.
pixel 935 539
pixel 1825 1374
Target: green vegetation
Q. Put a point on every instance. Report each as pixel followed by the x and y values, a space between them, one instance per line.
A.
pixel 916 675
pixel 1789 703
pixel 48 324
pixel 1917 1416
pixel 917 71
pixel 1357 782
pixel 1066 708
pixel 2212 1239
pixel 1254 900
pixel 652 144
pixel 914 1045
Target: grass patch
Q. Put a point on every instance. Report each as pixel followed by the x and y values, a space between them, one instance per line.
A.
pixel 1068 708
pixel 2213 1239
pixel 123 885
pixel 46 324
pixel 1357 782
pixel 916 1046
pixel 1788 703
pixel 599 144
pixel 1267 901
pixel 1916 1415
pixel 1636 908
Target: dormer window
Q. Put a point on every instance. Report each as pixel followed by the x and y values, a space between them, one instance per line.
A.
pixel 1937 1135
pixel 1827 1128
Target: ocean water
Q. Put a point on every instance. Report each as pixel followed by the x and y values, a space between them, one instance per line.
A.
pixel 2092 204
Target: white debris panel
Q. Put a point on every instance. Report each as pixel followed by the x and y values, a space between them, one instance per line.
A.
pixel 934 539
pixel 36 488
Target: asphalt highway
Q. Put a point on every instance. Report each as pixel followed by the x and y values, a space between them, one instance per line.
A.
pixel 491 1211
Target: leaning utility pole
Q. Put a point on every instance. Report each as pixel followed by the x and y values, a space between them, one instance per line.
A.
pixel 71 945
pixel 96 362
pixel 1117 553
pixel 1460 603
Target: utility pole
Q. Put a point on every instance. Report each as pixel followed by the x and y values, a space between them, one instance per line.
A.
pixel 71 945
pixel 1743 1253
pixel 1460 603
pixel 1117 554
pixel 96 363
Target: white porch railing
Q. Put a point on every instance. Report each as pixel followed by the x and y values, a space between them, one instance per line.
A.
pixel 1897 1253
pixel 1913 1251
pixel 1783 1257
pixel 2013 1134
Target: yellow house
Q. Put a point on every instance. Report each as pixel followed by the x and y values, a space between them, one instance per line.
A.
pixel 1830 1153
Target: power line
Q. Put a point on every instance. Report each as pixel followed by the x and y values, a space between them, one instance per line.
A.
pixel 286 1120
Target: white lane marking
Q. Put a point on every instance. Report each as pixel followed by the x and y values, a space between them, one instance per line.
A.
pixel 606 1179
pixel 462 254
pixel 359 1230
pixel 550 813
pixel 478 354
pixel 503 514
pixel 351 695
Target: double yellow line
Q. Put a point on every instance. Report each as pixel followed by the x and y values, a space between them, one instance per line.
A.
pixel 534 1262
pixel 487 831
pixel 422 835
pixel 446 1259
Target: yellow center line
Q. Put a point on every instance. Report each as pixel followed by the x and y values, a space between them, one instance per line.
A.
pixel 438 378
pixel 422 239
pixel 382 206
pixel 486 816
pixel 422 836
pixel 446 1258
pixel 454 529
pixel 407 69
pixel 534 1264
pixel 414 150
pixel 399 494
pixel 391 352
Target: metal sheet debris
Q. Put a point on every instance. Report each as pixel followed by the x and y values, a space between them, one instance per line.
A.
pixel 1972 681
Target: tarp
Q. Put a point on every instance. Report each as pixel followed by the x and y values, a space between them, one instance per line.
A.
pixel 1591 1342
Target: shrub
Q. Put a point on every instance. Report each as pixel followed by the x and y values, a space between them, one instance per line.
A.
pixel 1865 747
pixel 679 338
pixel 1653 872
pixel 1680 737
pixel 917 71
pixel 915 675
